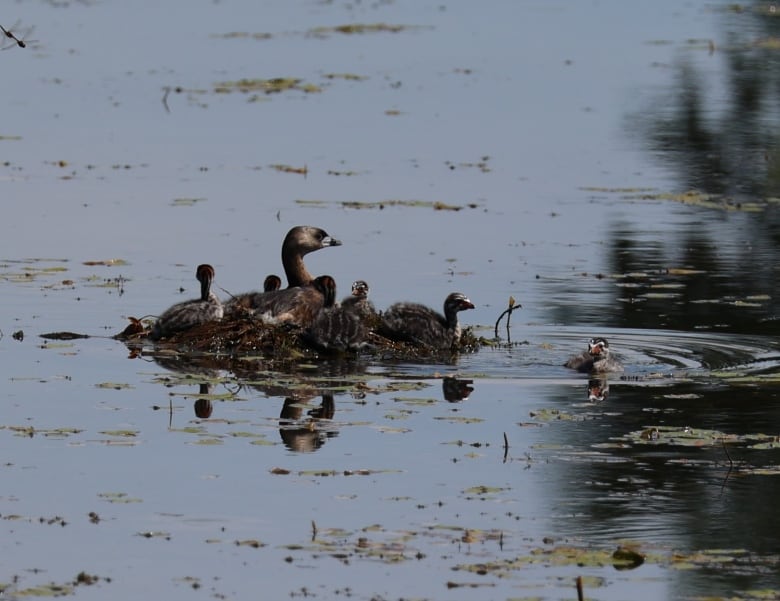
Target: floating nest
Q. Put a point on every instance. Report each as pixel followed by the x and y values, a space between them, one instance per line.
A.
pixel 246 336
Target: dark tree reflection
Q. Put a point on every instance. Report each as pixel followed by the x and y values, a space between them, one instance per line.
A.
pixel 717 129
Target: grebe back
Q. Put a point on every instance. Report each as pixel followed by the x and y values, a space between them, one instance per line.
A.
pixel 182 316
pixel 422 326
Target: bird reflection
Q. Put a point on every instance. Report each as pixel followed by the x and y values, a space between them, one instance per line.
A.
pixel 456 389
pixel 598 389
pixel 203 407
pixel 304 433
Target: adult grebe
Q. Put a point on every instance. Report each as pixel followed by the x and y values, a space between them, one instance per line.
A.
pixel 187 314
pixel 596 359
pixel 337 328
pixel 299 241
pixel 422 326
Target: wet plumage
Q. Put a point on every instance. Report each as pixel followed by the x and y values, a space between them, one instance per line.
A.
pixel 422 326
pixel 298 306
pixel 596 359
pixel 338 328
pixel 182 316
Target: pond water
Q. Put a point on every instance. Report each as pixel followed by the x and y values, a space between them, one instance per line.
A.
pixel 610 165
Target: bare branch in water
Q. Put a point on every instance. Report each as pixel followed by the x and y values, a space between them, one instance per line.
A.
pixel 508 312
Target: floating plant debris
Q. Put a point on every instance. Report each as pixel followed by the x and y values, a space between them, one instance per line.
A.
pixel 114 385
pixel 45 590
pixel 322 32
pixel 564 555
pixel 274 85
pixel 362 28
pixel 121 433
pixel 382 204
pixel 481 165
pixel 30 431
pixel 345 173
pixel 231 35
pixel 345 76
pixel 155 534
pixel 107 262
pixel 186 202
pixel 252 542
pixel 698 438
pixel 118 497
pixel 290 169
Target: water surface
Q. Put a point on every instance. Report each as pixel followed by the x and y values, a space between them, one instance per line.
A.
pixel 568 136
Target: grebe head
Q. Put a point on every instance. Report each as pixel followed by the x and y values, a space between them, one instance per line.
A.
pixel 300 241
pixel 327 286
pixel 307 238
pixel 360 289
pixel 457 301
pixel 271 283
pixel 598 347
pixel 205 275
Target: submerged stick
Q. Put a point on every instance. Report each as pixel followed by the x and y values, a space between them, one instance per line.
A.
pixel 725 450
pixel 731 466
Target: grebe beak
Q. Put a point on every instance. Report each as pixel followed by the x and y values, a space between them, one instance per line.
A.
pixel 330 241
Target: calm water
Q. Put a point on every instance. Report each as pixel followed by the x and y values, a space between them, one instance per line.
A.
pixel 566 133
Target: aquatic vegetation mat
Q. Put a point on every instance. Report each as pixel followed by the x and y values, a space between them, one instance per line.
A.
pixel 223 339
